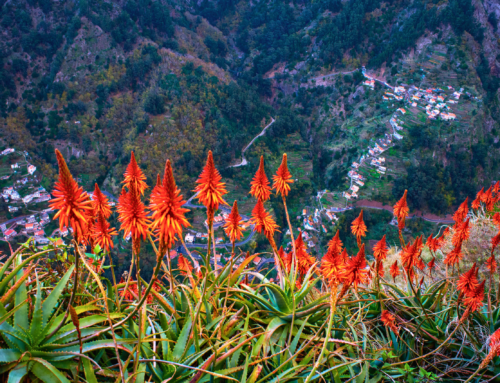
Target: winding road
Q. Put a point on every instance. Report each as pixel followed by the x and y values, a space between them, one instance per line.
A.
pixel 243 159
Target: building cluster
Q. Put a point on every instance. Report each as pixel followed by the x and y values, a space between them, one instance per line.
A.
pixel 11 195
pixel 433 100
pixel 29 226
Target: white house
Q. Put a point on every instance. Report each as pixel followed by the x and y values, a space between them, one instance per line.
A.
pixel 31 169
pixel 189 238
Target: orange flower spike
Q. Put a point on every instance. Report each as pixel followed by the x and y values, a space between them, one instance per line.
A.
pixel 462 211
pixel 210 189
pixel 394 270
pixel 263 220
pixel 304 260
pixel 491 264
pixel 168 218
pixel 286 259
pixel 380 270
pixel 496 187
pixel 134 176
pixel 454 256
pixel 70 200
pixel 380 249
pixel 133 216
pixel 389 321
pixel 431 265
pixel 488 199
pixel 232 227
pixel 259 186
pixel 410 257
pixel 467 282
pixel 283 178
pixel 355 271
pixel 496 219
pixel 358 227
pixel 100 203
pixel 475 300
pixel 102 233
pixel 477 202
pixel 462 233
pixel 335 243
pixel 184 265
pixel 401 210
pixel 331 267
pixel 495 241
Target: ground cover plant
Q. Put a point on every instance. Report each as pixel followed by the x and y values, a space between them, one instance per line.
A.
pixel 425 311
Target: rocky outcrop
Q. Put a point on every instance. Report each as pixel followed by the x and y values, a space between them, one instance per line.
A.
pixel 491 34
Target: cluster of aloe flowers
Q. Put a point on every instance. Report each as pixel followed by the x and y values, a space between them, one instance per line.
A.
pixel 163 220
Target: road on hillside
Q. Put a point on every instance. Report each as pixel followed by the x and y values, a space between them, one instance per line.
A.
pixel 425 217
pixel 243 159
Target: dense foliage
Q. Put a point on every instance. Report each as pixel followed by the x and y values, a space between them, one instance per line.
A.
pixel 338 319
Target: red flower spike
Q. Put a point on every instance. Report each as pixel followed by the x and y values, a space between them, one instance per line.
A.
pixel 184 265
pixel 135 176
pixel 462 232
pixel 477 202
pixel 475 300
pixel 462 211
pixel 286 259
pixel 335 244
pixel 380 249
pixel 496 187
pixel 304 260
pixel 489 200
pixel 232 227
pixel 168 218
pixel 355 271
pixel 389 321
pixel 394 270
pixel 491 264
pixel 332 264
pixel 283 178
pixel 410 257
pixel 100 203
pixel 454 256
pixel 133 216
pixel 102 233
pixel 259 186
pixel 358 227
pixel 401 210
pixel 467 282
pixel 263 220
pixel 71 201
pixel 495 241
pixel 496 219
pixel 210 190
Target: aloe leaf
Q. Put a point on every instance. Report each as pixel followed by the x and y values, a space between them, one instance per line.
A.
pixel 21 316
pixel 37 318
pixel 50 303
pixel 18 373
pixel 180 346
pixel 47 373
pixel 9 355
pixel 89 371
pixel 235 275
pixel 279 296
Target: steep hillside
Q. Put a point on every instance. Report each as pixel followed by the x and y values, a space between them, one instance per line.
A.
pixel 173 79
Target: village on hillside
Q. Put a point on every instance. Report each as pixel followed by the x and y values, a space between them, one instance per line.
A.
pixel 26 201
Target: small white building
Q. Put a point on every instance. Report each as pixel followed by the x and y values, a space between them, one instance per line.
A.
pixel 189 238
pixel 31 169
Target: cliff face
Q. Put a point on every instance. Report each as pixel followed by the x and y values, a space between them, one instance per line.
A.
pixel 488 15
